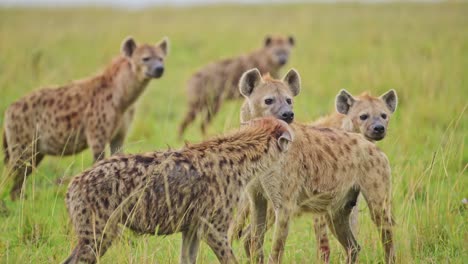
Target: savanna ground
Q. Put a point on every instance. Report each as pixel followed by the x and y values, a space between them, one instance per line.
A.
pixel 420 50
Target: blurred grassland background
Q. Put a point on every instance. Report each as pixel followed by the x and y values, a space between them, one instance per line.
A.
pixel 421 50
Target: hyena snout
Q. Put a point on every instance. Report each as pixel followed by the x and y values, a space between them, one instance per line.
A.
pixel 377 132
pixel 157 71
pixel 287 116
pixel 282 58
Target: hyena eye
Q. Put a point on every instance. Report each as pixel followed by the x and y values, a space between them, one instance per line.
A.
pixel 384 116
pixel 146 59
pixel 363 117
pixel 268 101
pixel 289 101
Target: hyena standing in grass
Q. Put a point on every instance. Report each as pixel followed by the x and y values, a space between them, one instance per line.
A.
pixel 325 170
pixel 192 190
pixel 91 112
pixel 218 81
pixel 364 114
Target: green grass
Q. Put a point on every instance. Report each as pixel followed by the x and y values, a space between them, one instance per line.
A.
pixel 419 50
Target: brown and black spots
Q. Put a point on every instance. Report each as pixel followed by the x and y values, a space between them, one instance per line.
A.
pixel 324 172
pixel 88 113
pixel 192 190
pixel 213 84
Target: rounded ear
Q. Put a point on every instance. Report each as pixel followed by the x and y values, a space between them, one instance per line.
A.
pixel 285 140
pixel 128 46
pixel 390 99
pixel 293 80
pixel 291 40
pixel 248 81
pixel 164 45
pixel 267 41
pixel 344 101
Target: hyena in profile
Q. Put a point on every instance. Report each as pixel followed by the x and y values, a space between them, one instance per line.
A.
pixel 92 112
pixel 364 114
pixel 325 170
pixel 218 81
pixel 192 190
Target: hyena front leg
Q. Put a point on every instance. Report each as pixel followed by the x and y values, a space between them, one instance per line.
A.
pixel 116 144
pixel 253 244
pixel 97 143
pixel 323 244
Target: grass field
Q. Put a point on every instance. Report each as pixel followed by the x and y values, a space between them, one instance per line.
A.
pixel 419 50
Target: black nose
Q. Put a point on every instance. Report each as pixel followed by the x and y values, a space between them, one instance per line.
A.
pixel 288 116
pixel 379 129
pixel 159 70
pixel 282 61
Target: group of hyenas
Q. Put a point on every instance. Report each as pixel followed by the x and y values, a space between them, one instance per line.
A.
pixel 271 168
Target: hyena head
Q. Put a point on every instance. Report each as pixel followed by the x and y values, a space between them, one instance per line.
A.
pixel 147 60
pixel 369 115
pixel 267 96
pixel 278 49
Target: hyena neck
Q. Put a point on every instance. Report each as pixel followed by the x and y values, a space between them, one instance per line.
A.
pixel 245 114
pixel 336 120
pixel 126 85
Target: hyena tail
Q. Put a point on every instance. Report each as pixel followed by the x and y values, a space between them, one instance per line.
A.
pixel 5 149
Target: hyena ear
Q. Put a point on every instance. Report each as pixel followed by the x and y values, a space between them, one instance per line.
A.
pixel 291 40
pixel 344 101
pixel 391 100
pixel 285 140
pixel 248 81
pixel 293 80
pixel 128 46
pixel 164 45
pixel 268 40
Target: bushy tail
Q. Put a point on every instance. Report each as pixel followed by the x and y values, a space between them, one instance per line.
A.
pixel 5 149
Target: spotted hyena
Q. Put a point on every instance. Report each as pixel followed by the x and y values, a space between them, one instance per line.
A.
pixel 217 82
pixel 92 112
pixel 365 114
pixel 192 190
pixel 325 170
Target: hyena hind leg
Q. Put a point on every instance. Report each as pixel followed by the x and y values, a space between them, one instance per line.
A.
pixel 338 222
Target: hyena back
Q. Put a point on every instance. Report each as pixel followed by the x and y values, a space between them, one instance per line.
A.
pixel 192 190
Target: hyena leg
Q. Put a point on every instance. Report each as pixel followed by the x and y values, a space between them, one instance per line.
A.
pixel 354 218
pixel 338 221
pixel 211 111
pixel 283 215
pixel 93 240
pixel 236 229
pixel 218 241
pixel 97 142
pixel 253 244
pixel 190 245
pixel 116 144
pixel 192 112
pixel 320 226
pixel 21 169
pixel 378 196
